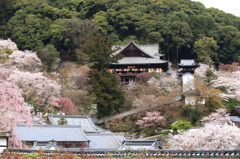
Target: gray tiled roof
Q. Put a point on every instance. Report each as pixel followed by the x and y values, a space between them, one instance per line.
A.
pixel 84 121
pixel 139 60
pixel 105 140
pixel 151 50
pixel 235 119
pixel 50 133
pixel 140 145
pixel 45 146
pixel 187 62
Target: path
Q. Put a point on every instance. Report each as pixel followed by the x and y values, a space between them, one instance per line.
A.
pixel 134 111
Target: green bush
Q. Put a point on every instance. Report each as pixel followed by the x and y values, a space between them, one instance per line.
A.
pixel 62 121
pixel 32 155
pixel 195 116
pixel 166 132
pixel 181 125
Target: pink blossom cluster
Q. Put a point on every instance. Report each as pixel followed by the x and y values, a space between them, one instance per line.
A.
pixel 169 80
pixel 218 133
pixel 35 85
pixel 13 110
pixel 7 44
pixel 220 117
pixel 155 119
pixel 229 80
pixel 166 81
pixel 201 70
pixel 212 136
pixel 25 60
pixel 66 105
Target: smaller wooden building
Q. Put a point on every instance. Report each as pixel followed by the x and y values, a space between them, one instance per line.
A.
pixel 137 59
pixel 141 145
pixel 187 65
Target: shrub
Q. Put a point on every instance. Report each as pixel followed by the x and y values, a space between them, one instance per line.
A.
pixel 181 125
pixel 166 132
pixel 62 121
pixel 195 116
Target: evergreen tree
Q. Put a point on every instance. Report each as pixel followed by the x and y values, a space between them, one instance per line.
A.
pixel 105 85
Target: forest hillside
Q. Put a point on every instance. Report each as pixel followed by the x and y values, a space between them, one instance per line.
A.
pixel 178 26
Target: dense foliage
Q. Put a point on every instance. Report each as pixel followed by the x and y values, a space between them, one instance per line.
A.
pixel 178 26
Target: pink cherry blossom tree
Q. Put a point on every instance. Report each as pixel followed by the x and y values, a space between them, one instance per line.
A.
pixel 35 86
pixel 230 81
pixel 201 70
pixel 220 117
pixel 66 105
pixel 212 136
pixel 13 111
pixel 6 48
pixel 164 81
pixel 25 60
pixel 218 133
pixel 152 119
pixel 8 44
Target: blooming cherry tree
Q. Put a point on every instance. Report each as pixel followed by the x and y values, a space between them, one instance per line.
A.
pixel 8 44
pixel 218 133
pixel 212 136
pixel 220 117
pixel 66 105
pixel 164 81
pixel 201 70
pixel 230 81
pixel 13 110
pixel 152 119
pixel 25 60
pixel 6 48
pixel 35 86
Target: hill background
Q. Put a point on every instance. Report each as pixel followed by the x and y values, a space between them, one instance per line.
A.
pixel 173 24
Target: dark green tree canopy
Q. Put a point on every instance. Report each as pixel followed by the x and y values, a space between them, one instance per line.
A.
pixel 66 25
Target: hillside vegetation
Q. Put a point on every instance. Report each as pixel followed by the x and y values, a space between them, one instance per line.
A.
pixel 58 58
pixel 176 25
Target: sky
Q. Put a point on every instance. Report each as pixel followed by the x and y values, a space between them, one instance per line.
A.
pixel 228 6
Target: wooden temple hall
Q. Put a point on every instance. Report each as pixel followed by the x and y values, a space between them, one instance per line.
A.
pixel 137 59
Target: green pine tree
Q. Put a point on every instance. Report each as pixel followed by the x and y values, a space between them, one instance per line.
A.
pixel 104 85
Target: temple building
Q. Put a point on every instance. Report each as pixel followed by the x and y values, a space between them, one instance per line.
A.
pixel 187 65
pixel 137 59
